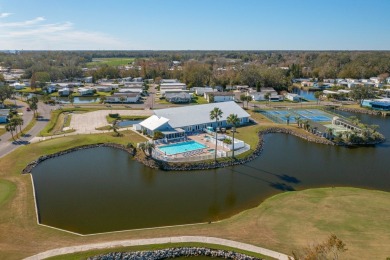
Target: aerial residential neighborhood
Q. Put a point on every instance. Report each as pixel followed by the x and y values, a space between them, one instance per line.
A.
pixel 194 129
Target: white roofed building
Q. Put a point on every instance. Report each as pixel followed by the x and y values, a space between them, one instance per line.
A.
pixel 176 122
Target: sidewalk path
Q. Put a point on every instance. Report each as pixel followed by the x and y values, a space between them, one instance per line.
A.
pixel 164 240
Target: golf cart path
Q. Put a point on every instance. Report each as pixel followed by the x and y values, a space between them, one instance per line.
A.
pixel 163 240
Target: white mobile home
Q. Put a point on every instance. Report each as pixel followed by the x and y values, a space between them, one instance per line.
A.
pixel 178 97
pixel 219 96
pixel 85 91
pixel 18 86
pixel 173 85
pixel 199 91
pixel 130 90
pixel 103 88
pixel 169 81
pixel 64 92
pixel 293 97
pixel 127 98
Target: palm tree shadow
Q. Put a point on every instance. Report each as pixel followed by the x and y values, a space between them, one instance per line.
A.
pixel 282 186
pixel 289 179
pixel 284 177
pixel 276 185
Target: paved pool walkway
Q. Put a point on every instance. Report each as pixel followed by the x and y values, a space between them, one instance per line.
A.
pixel 163 240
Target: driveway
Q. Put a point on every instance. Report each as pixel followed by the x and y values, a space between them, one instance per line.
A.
pixel 87 122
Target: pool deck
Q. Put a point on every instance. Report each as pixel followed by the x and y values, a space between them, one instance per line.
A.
pixel 200 138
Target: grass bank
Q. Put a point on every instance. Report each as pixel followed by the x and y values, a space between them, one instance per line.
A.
pixel 6 191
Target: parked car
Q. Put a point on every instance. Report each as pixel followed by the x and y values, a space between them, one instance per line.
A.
pixel 28 109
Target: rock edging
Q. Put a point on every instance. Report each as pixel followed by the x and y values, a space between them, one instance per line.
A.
pixel 169 166
pixel 362 111
pixel 34 163
pixel 173 253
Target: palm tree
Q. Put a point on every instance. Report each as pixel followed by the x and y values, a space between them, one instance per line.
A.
pixel 317 95
pixel 102 99
pixel 17 121
pixel 10 127
pixel 45 98
pixel 150 147
pixel 216 114
pixel 329 133
pixel 298 120
pixel 34 107
pixel 288 119
pixel 306 124
pixel 266 96
pixel 142 146
pixel 34 99
pixel 71 99
pixel 25 95
pixel 20 122
pixel 234 121
pixel 248 99
pixel 115 127
pixel 122 99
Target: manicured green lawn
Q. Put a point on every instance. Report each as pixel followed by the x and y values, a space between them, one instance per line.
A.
pixel 85 255
pixel 30 90
pixel 110 62
pixel 7 189
pixel 199 100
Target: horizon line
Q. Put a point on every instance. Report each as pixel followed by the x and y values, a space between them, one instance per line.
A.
pixel 200 50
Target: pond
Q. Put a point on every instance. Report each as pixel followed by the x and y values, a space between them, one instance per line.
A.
pixel 127 123
pixel 103 189
pixel 308 95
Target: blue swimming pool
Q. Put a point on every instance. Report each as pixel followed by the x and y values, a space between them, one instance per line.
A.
pixel 127 123
pixel 181 147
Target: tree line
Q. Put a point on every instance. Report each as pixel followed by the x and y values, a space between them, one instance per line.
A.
pixel 254 68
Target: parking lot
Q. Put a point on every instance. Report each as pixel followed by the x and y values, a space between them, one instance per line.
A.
pixel 88 122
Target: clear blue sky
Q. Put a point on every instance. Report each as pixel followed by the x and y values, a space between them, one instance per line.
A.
pixel 195 24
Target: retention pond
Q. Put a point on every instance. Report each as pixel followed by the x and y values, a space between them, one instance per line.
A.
pixel 103 189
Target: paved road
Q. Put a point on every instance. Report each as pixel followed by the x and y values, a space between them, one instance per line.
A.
pixel 164 240
pixel 44 112
pixel 150 100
